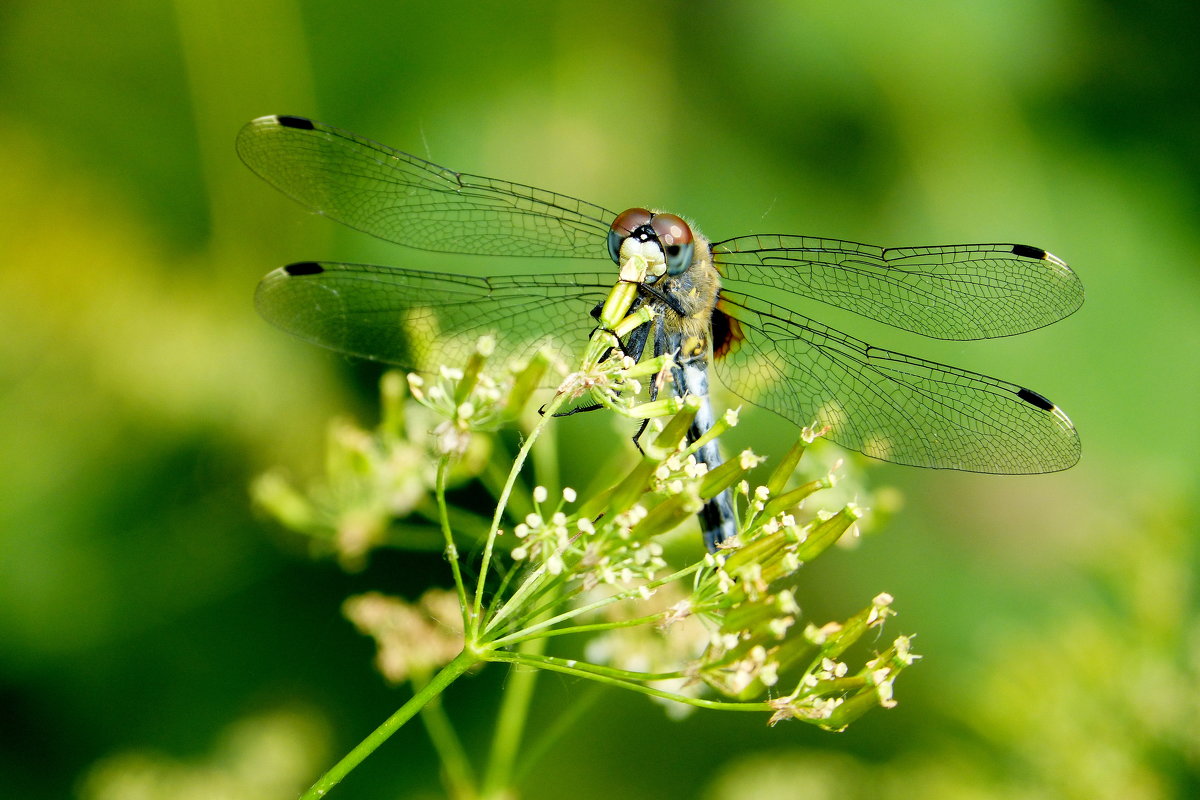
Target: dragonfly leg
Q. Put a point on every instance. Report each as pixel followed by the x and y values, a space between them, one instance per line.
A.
pixel 570 411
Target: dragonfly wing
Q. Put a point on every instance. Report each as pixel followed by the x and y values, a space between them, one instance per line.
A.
pixel 422 320
pixel 966 291
pixel 401 198
pixel 885 404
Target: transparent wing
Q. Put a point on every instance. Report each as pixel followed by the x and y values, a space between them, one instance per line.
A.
pixel 886 404
pixel 966 291
pixel 405 199
pixel 422 320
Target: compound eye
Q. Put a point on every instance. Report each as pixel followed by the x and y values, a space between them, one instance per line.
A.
pixel 623 226
pixel 675 237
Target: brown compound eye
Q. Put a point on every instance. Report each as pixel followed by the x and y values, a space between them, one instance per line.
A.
pixel 675 237
pixel 623 226
pixel 629 221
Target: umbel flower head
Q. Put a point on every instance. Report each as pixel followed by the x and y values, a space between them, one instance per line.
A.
pixel 374 478
pixel 758 643
pixel 596 577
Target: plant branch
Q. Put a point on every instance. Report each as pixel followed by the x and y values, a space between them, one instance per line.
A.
pixel 448 674
pixel 501 504
pixel 559 665
pixel 510 726
pixel 451 548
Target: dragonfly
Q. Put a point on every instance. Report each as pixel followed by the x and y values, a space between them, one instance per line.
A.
pixel 720 304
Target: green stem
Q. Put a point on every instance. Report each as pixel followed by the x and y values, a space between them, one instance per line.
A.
pixel 600 670
pixel 451 548
pixel 452 671
pixel 589 628
pixel 566 668
pixel 517 601
pixel 510 574
pixel 546 470
pixel 616 598
pixel 549 595
pixel 501 504
pixel 493 476
pixel 510 726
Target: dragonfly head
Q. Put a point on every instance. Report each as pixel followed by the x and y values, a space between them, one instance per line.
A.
pixel 660 238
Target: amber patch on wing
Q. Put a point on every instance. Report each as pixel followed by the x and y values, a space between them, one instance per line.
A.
pixel 727 334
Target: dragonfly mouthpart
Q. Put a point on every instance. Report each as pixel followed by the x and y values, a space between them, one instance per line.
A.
pixel 641 257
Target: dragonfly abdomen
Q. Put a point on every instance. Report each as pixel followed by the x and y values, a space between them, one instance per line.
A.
pixel 717 520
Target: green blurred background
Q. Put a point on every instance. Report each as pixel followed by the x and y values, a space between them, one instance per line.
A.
pixel 148 617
